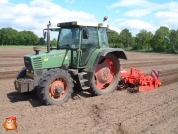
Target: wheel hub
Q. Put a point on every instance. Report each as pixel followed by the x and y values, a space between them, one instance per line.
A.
pixel 104 73
pixel 57 89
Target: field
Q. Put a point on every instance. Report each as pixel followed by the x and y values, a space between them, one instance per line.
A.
pixel 154 111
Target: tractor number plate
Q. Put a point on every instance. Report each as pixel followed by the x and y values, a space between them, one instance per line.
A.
pixel 29 74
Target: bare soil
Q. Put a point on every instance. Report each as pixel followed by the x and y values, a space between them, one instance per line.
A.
pixel 154 111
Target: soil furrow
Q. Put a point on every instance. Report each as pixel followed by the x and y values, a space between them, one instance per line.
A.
pixel 8 74
pixel 147 64
pixel 11 65
pixel 10 56
pixel 10 59
pixel 166 80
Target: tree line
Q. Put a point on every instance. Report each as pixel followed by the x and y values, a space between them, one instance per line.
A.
pixel 164 39
pixel 10 36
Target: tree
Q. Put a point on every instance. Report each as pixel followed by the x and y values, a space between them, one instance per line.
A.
pixel 173 38
pixel 132 43
pixel 54 42
pixel 125 37
pixel 10 36
pixel 21 38
pixel 159 42
pixel 113 38
pixel 4 36
pixel 143 39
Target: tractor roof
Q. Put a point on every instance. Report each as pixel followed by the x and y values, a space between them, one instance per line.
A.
pixel 80 23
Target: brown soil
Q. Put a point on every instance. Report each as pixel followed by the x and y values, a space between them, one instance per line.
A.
pixel 154 111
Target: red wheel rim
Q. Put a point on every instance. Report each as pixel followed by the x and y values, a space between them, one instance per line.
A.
pixel 58 89
pixel 104 73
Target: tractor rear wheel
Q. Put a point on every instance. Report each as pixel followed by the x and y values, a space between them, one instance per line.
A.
pixel 106 75
pixel 55 87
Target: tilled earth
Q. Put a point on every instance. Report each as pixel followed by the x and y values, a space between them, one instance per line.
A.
pixel 154 111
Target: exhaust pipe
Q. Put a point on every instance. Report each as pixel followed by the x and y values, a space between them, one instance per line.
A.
pixel 48 37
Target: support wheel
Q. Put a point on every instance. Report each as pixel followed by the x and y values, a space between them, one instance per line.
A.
pixel 106 75
pixel 55 87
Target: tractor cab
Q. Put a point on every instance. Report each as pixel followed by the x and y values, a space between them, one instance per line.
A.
pixel 81 38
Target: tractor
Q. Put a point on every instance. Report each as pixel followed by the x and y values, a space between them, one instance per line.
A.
pixel 81 57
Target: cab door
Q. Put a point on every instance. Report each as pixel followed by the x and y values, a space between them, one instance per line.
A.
pixel 88 44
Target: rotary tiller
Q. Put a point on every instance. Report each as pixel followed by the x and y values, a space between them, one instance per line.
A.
pixel 137 81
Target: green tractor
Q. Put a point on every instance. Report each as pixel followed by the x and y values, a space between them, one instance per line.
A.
pixel 82 57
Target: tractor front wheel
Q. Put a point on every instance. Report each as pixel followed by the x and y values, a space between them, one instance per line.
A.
pixel 106 75
pixel 55 87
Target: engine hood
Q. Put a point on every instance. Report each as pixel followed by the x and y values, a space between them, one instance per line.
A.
pixel 55 58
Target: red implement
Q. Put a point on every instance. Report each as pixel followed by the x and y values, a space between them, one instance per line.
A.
pixel 136 79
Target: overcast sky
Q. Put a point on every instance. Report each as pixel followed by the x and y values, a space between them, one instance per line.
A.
pixel 132 14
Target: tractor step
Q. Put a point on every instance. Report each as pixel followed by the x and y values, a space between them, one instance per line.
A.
pixel 83 80
pixel 82 73
pixel 85 88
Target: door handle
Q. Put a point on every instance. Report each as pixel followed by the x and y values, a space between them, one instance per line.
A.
pixel 80 54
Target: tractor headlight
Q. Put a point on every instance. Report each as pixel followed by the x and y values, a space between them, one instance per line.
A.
pixel 32 71
pixel 27 70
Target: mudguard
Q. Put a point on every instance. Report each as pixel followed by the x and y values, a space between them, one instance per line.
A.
pixel 118 52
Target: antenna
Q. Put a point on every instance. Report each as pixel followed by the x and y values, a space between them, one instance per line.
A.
pixel 105 18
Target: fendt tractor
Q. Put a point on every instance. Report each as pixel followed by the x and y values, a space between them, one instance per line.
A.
pixel 82 57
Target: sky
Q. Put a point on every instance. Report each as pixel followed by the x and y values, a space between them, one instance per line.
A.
pixel 132 14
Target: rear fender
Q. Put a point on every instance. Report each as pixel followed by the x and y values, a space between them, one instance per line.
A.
pixel 118 52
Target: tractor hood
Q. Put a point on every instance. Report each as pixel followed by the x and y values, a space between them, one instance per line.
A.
pixel 43 60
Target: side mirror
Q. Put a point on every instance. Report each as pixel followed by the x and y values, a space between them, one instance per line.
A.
pixel 44 34
pixel 51 47
pixel 85 33
pixel 42 41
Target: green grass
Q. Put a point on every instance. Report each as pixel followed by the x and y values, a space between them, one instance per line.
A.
pixel 19 46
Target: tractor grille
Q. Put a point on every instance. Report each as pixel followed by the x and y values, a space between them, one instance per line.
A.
pixel 37 62
pixel 27 62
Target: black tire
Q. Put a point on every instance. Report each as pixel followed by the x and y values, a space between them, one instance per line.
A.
pixel 22 73
pixel 45 83
pixel 114 84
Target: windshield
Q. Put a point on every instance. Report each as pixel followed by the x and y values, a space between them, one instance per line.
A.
pixel 69 38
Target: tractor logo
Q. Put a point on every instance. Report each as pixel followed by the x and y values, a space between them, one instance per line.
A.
pixel 45 59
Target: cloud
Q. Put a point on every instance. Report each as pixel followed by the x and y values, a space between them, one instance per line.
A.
pixel 135 3
pixel 173 6
pixel 137 8
pixel 3 1
pixel 135 26
pixel 70 1
pixel 35 15
pixel 127 3
pixel 137 13
pixel 114 27
pixel 167 17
